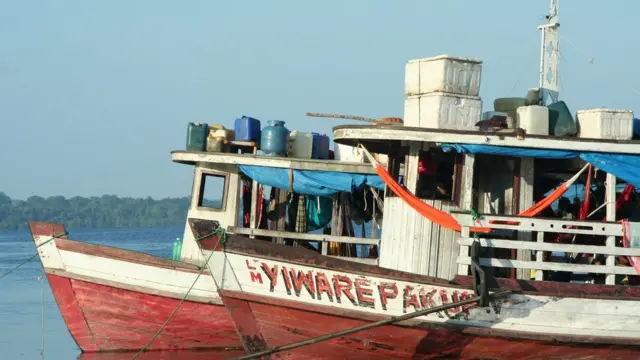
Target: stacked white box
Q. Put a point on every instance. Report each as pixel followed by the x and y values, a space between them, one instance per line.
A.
pixel 442 111
pixel 442 93
pixel 605 124
pixel 443 73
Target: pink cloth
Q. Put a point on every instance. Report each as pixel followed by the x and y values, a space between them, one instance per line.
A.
pixel 626 242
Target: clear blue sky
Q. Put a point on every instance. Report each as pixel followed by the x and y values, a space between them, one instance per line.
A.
pixel 95 94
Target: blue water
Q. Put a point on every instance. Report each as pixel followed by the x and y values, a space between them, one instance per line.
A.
pixel 21 296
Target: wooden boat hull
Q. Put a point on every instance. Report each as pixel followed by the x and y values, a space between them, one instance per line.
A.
pixel 278 295
pixel 116 300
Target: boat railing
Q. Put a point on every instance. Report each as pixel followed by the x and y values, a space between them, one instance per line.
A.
pixel 323 239
pixel 608 230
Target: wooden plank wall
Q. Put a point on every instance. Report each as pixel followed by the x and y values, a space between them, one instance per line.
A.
pixel 412 243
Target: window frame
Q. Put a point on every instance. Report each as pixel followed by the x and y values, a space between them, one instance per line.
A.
pixel 201 177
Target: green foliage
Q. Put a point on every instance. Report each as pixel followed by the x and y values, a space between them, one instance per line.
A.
pixel 93 212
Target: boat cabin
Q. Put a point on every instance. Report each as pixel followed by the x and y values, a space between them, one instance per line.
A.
pixel 322 205
pixel 500 176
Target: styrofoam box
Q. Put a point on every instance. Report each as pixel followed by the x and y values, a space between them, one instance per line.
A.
pixel 443 73
pixel 605 124
pixel 442 111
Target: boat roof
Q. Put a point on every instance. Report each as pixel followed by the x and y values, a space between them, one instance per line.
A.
pixel 380 138
pixel 197 157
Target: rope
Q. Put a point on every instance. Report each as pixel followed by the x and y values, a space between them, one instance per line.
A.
pixel 223 237
pixel 34 256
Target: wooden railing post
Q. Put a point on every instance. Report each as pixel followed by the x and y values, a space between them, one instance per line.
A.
pixel 464 251
pixel 540 256
pixel 610 199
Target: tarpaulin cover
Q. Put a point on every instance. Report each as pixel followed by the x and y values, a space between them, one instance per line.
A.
pixel 311 182
pixel 623 166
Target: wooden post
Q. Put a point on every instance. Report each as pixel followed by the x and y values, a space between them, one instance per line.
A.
pixel 335 221
pixel 254 206
pixel 466 202
pixel 539 257
pixel 610 200
pixel 281 212
pixel 525 199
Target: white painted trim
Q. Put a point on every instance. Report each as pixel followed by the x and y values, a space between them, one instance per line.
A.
pixel 194 157
pixel 521 314
pixel 153 279
pixel 303 236
pixel 367 261
pixel 529 245
pixel 541 224
pixel 553 266
pixel 403 133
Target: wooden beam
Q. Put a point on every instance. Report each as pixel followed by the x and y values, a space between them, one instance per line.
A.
pixel 194 157
pixel 506 263
pixel 610 200
pixel 542 246
pixel 350 134
pixel 303 236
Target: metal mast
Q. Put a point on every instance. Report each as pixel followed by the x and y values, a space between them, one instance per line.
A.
pixel 549 56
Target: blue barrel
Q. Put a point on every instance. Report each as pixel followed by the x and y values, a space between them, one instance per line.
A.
pixel 247 129
pixel 320 147
pixel 275 139
pixel 197 136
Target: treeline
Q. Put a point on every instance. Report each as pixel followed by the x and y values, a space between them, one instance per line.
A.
pixel 92 212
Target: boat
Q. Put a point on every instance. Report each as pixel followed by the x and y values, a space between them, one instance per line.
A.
pixel 115 300
pixel 454 274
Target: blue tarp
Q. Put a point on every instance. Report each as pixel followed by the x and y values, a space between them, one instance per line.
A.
pixel 623 166
pixel 309 182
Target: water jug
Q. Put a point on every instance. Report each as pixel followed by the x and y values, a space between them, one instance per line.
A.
pixel 275 138
pixel 561 121
pixel 197 136
pixel 300 145
pixel 247 129
pixel 320 146
pixel 177 249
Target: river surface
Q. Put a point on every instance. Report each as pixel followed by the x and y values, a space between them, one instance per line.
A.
pixel 25 294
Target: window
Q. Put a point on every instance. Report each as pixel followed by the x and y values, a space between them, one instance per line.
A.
pixel 212 189
pixel 439 176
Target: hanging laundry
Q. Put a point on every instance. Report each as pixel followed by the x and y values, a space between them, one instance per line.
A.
pixel 319 210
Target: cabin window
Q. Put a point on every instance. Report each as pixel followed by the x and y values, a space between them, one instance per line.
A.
pixel 439 176
pixel 212 188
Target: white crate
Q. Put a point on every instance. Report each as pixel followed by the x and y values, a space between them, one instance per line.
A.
pixel 605 124
pixel 442 111
pixel 443 73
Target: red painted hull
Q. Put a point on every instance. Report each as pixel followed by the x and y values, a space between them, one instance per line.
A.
pixel 105 318
pixel 265 325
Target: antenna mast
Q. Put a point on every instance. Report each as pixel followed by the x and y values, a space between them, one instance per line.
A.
pixel 549 56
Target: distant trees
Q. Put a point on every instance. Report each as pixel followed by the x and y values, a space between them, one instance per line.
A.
pixel 93 212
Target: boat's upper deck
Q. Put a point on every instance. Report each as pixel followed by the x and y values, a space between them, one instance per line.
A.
pixel 231 159
pixel 381 138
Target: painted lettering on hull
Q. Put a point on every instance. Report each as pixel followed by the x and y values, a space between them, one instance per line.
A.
pixel 329 287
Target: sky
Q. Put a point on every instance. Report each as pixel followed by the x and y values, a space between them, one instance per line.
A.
pixel 94 95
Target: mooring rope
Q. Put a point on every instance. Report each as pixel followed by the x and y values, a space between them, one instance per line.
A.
pixel 223 236
pixel 34 256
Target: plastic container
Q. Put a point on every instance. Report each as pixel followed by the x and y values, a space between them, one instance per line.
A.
pixel 489 114
pixel 216 144
pixel 247 129
pixel 561 122
pixel 320 147
pixel 226 134
pixel 300 145
pixel 605 124
pixel 534 119
pixel 442 111
pixel 348 153
pixel 177 249
pixel 443 73
pixel 197 136
pixel 275 139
